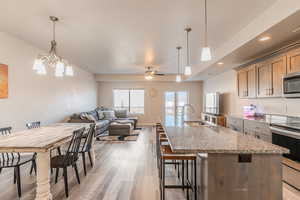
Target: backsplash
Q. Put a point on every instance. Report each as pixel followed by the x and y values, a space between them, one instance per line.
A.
pixel 225 83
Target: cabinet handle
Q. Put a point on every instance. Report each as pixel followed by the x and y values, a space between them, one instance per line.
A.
pixel 271 91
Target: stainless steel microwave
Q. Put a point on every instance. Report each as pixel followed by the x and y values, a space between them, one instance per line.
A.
pixel 291 85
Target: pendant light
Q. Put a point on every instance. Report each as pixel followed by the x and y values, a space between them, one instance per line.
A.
pixel 188 68
pixel 62 67
pixel 178 76
pixel 206 52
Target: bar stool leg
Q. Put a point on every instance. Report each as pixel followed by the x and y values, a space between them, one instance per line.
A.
pixel 195 179
pixel 187 178
pixel 178 170
pixel 163 179
pixel 182 176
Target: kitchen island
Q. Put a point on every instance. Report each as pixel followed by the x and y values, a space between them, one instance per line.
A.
pixel 231 166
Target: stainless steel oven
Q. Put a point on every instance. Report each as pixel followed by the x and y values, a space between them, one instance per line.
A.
pixel 291 85
pixel 288 136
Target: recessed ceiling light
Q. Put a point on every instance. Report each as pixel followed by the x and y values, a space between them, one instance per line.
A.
pixel 296 30
pixel 264 38
pixel 220 63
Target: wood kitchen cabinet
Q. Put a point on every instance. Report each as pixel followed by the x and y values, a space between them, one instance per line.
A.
pixel 279 70
pixel 269 76
pixel 293 61
pixel 263 79
pixel 247 82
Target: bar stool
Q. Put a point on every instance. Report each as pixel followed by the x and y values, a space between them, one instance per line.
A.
pixel 168 155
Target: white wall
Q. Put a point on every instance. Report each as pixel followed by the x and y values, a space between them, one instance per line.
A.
pixel 226 83
pixel 154 106
pixel 40 98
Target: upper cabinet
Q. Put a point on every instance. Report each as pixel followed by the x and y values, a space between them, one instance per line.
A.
pixel 293 61
pixel 279 70
pixel 246 82
pixel 263 79
pixel 269 77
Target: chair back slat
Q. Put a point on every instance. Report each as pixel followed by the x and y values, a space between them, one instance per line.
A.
pixel 87 145
pixel 32 125
pixel 73 149
pixel 8 159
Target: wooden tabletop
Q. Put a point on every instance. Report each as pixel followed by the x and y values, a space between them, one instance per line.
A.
pixel 203 139
pixel 40 139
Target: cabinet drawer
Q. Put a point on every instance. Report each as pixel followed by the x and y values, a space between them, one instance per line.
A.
pixel 291 176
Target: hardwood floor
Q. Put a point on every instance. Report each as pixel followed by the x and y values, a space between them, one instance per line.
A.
pixel 123 171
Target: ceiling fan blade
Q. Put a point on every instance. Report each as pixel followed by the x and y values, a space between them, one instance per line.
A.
pixel 159 74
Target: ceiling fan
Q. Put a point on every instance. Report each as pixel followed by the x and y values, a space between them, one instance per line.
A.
pixel 150 72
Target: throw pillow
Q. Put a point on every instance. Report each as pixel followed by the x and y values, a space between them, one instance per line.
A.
pixel 110 114
pixel 83 116
pixel 100 114
pixel 90 117
pixel 121 113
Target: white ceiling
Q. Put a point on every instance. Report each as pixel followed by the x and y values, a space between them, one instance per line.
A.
pixel 122 36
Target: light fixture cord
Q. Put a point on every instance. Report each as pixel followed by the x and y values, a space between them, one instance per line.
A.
pixel 178 64
pixel 205 13
pixel 187 49
pixel 53 30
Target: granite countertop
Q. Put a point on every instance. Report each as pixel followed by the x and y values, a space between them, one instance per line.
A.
pixel 203 139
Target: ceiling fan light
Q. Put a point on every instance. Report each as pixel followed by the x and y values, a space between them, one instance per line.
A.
pixel 148 77
pixel 205 54
pixel 178 78
pixel 69 71
pixel 188 70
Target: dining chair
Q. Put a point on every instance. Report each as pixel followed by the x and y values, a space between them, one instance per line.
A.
pixel 37 124
pixel 70 158
pixel 32 125
pixel 87 145
pixel 15 160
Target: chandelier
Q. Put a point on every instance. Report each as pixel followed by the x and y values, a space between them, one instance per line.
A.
pixel 61 66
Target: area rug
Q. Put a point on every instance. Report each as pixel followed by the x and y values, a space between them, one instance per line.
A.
pixel 133 137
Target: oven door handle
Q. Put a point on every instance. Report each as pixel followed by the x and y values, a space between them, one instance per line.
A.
pixel 283 132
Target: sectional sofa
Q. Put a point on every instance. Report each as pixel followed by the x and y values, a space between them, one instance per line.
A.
pixel 103 117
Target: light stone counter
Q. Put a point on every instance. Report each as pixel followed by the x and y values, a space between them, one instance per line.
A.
pixel 203 139
pixel 230 165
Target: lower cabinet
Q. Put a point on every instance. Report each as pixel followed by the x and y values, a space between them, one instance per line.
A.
pixel 257 129
pixel 235 123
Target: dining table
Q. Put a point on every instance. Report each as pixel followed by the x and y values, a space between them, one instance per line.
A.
pixel 41 141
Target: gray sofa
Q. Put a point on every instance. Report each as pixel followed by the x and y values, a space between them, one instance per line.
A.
pixel 101 120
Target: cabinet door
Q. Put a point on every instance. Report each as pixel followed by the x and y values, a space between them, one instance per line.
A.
pixel 293 61
pixel 242 83
pixel 251 77
pixel 278 67
pixel 263 79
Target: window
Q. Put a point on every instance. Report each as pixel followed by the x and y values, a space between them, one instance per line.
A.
pixel 174 104
pixel 130 99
